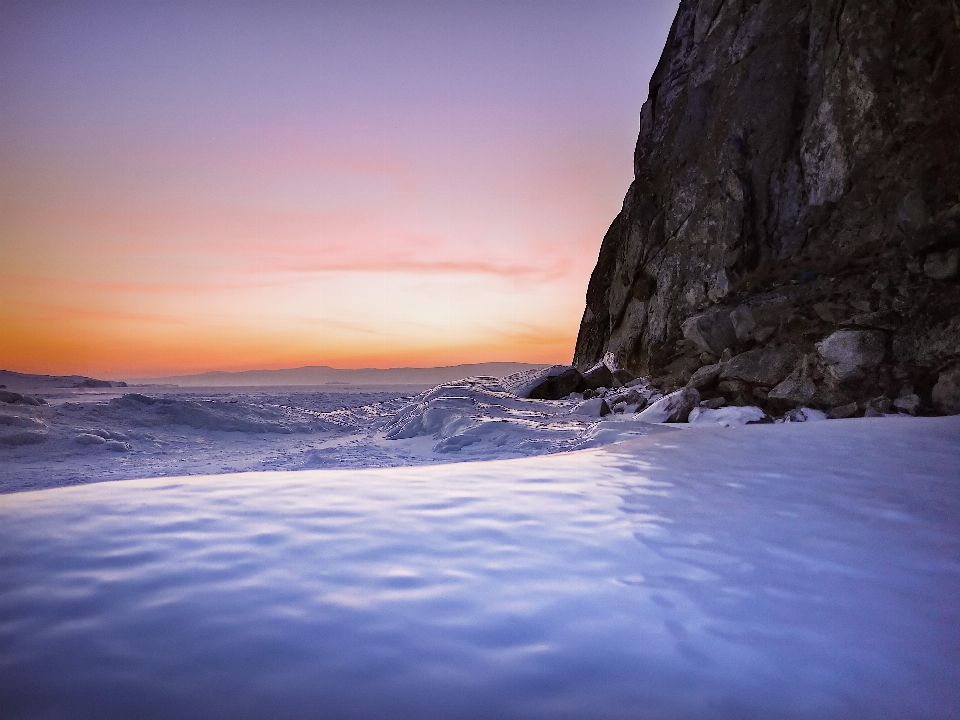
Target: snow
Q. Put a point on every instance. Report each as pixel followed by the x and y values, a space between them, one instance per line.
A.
pixel 797 570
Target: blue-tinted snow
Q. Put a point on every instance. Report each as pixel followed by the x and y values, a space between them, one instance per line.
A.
pixel 803 570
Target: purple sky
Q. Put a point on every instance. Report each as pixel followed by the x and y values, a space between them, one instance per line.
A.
pixel 189 186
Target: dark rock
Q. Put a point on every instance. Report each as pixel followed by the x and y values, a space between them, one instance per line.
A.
pixel 713 403
pixel 597 377
pixel 10 397
pixel 762 366
pixel 941 266
pixel 91 383
pixel 744 323
pixel 796 159
pixel 878 407
pixel 843 411
pixel 849 354
pixel 711 331
pixel 623 377
pixel 705 376
pixel 908 403
pixel 629 396
pixel 678 372
pixel 557 386
pixel 946 393
pixel 550 383
pixel 797 389
pixel 881 320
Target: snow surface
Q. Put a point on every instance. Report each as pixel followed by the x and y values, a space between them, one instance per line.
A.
pixel 798 570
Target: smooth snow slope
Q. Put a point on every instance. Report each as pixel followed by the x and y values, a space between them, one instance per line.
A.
pixel 792 571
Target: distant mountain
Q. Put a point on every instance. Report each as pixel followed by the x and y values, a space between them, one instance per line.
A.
pixel 28 381
pixel 326 375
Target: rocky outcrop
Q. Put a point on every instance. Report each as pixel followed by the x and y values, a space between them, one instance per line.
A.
pixel 796 197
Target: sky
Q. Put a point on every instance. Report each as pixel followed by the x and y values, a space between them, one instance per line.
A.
pixel 189 186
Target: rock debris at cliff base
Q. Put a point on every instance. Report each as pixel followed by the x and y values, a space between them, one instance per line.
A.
pixel 795 213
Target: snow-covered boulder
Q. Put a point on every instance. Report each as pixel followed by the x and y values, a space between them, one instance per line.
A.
pixel 594 407
pixel 674 407
pixel 804 414
pixel 728 416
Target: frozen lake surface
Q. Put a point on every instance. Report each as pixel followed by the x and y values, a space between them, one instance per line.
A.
pixel 91 435
pixel 770 571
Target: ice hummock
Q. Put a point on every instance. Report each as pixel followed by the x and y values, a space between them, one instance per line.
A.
pixel 802 570
pixel 87 435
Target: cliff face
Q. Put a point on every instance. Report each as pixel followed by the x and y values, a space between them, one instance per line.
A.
pixel 797 173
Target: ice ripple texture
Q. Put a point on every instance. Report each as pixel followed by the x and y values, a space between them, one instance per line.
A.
pixel 802 571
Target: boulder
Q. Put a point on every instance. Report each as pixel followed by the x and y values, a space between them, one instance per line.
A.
pixel 946 393
pixel 850 354
pixel 550 383
pixel 843 411
pixel 8 396
pixel 597 377
pixel 796 389
pixel 711 332
pixel 672 408
pixel 705 376
pixel 713 403
pixel 908 403
pixel 743 322
pixel 762 366
pixel 942 266
pixel 878 407
pixel 557 386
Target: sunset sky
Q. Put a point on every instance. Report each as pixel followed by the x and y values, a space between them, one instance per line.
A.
pixel 194 186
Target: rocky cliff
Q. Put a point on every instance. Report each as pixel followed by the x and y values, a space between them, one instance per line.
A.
pixel 792 233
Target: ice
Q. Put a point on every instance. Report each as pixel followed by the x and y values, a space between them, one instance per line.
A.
pixel 800 570
pixel 92 434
